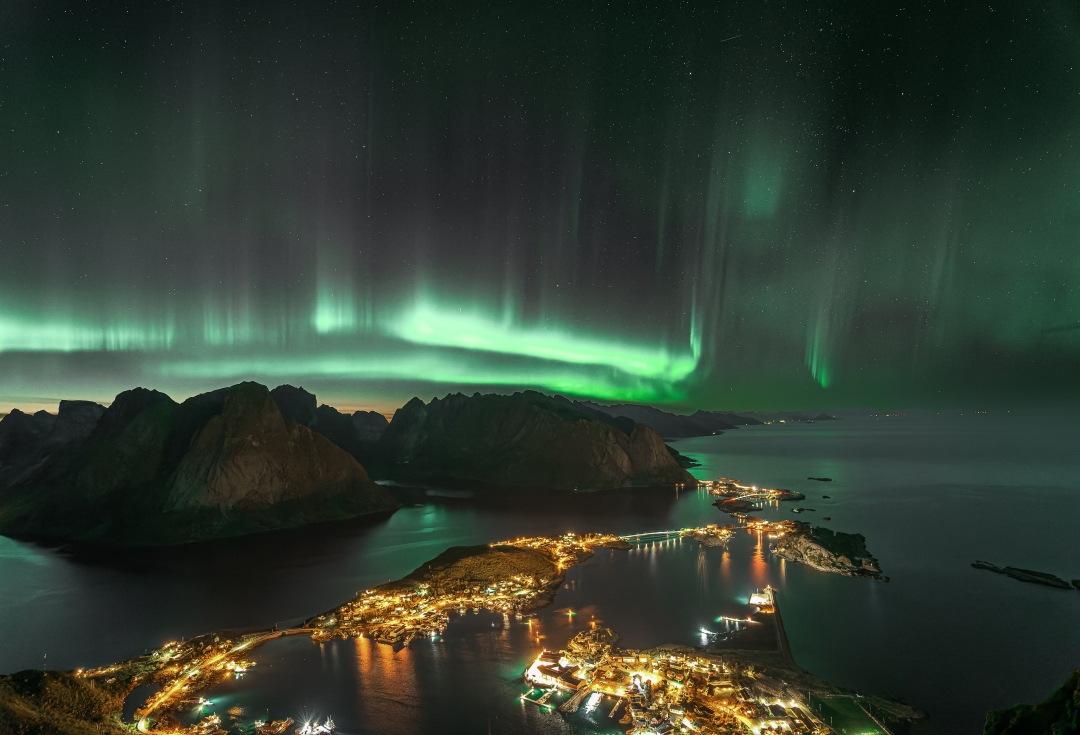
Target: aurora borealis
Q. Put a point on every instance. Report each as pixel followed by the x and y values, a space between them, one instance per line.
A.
pixel 745 205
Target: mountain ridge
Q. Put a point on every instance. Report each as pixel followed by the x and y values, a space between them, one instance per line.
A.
pixel 526 439
pixel 154 471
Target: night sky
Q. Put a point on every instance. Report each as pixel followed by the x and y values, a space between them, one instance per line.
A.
pixel 726 205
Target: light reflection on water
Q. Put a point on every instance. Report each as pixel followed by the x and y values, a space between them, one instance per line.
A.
pixel 929 494
pixel 470 678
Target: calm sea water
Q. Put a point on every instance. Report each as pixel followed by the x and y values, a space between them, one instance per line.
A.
pixel 930 493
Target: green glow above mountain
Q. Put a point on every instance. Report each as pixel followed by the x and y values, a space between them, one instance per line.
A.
pixel 446 326
pixel 613 207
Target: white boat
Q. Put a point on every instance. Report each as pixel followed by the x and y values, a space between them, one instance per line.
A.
pixel 763 599
pixel 313 728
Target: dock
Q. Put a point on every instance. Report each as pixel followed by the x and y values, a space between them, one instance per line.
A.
pixel 572 704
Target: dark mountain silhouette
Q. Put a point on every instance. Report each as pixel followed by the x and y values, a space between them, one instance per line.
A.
pixel 527 439
pixel 673 425
pixel 148 470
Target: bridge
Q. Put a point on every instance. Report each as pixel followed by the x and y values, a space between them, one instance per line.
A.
pixel 650 534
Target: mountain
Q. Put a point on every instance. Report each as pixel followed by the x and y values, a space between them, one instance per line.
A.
pixel 734 419
pixel 792 416
pixel 527 439
pixel 148 470
pixel 357 434
pixel 28 440
pixel 673 425
pixel 369 425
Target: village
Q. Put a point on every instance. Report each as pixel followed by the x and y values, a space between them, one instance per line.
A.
pixel 492 579
pixel 670 689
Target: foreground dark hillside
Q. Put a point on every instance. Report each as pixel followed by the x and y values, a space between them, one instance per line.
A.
pixel 1059 714
pixel 60 703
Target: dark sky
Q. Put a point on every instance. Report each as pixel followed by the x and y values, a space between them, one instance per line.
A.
pixel 746 205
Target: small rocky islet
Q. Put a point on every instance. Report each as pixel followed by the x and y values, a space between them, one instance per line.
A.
pixel 1028 575
pixel 828 551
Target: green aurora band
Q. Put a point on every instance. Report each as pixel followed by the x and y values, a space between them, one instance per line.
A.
pixel 612 206
pixel 423 344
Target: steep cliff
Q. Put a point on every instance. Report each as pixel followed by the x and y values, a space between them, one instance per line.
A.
pixel 526 439
pixel 250 456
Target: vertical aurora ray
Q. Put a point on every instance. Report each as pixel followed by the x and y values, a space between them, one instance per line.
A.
pixel 817 352
pixel 338 306
pixel 22 333
pixel 335 311
pixel 421 201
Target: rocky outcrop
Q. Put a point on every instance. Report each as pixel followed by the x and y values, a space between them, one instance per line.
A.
pixel 828 551
pixel 1027 575
pixel 1058 714
pixel 526 439
pixel 151 471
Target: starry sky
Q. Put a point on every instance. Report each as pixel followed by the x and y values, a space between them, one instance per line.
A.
pixel 723 205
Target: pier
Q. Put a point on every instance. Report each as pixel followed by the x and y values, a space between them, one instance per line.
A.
pixel 572 704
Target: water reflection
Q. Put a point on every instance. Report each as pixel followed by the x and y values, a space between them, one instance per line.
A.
pixel 386 686
pixel 929 497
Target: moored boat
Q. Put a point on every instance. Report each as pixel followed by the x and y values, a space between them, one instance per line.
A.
pixel 273 728
pixel 313 728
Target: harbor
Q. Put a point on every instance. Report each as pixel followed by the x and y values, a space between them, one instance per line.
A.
pixel 739 687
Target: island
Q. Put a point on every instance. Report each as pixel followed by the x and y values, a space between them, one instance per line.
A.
pixel 823 549
pixel 1027 575
pixel 737 499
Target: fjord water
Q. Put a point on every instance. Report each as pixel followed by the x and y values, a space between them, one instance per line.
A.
pixel 930 493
